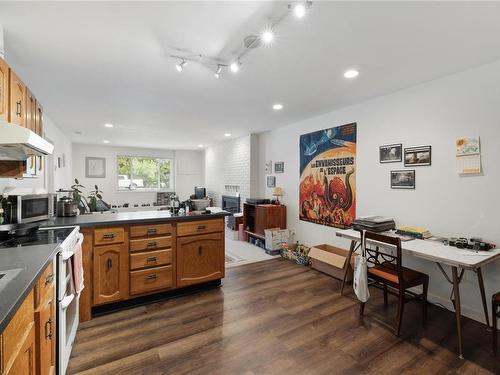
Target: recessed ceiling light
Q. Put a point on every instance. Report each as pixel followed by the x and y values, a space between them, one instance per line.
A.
pixel 267 36
pixel 200 146
pixel 351 73
pixel 299 10
pixel 108 125
pixel 277 106
pixel 235 66
pixel 181 65
pixel 106 141
pixel 227 134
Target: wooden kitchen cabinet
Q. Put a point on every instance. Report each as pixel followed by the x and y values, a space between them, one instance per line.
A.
pixel 111 273
pixel 200 258
pixel 38 119
pixel 4 90
pixel 45 324
pixel 17 99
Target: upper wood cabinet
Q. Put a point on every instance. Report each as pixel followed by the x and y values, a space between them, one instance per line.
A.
pixel 38 119
pixel 111 273
pixel 17 99
pixel 4 90
pixel 30 110
pixel 200 258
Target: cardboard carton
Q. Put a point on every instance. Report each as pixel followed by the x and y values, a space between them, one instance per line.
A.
pixel 331 260
pixel 274 237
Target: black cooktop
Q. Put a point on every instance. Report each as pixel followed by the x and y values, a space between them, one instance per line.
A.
pixel 41 237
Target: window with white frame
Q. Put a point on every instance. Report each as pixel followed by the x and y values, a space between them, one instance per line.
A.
pixel 144 173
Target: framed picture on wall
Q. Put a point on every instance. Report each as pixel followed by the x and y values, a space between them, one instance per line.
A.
pixel 95 167
pixel 415 156
pixel 279 167
pixel 403 179
pixel 271 181
pixel 391 153
pixel 269 167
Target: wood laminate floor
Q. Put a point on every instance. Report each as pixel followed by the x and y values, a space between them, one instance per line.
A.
pixel 275 317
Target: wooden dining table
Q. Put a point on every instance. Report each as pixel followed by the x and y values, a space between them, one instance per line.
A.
pixel 459 260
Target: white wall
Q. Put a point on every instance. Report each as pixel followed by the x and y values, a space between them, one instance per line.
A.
pixel 53 176
pixel 188 171
pixel 435 113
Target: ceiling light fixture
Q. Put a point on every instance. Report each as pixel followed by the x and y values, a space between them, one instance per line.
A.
pixel 218 72
pixel 181 65
pixel 267 36
pixel 278 107
pixel 200 146
pixel 235 66
pixel 108 125
pixel 351 73
pixel 299 10
pixel 227 134
pixel 106 141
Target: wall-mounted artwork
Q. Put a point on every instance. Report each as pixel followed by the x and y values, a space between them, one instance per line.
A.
pixel 391 153
pixel 271 181
pixel 269 167
pixel 327 190
pixel 403 179
pixel 95 167
pixel 416 156
pixel 279 167
pixel 468 155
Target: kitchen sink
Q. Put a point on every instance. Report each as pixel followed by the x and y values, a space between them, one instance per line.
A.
pixel 6 276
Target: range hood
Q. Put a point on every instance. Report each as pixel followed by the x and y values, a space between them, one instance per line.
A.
pixel 18 143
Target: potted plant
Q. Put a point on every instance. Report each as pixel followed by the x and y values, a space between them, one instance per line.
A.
pixel 93 197
pixel 77 195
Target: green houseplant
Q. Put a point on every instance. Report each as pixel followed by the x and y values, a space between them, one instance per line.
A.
pixel 93 197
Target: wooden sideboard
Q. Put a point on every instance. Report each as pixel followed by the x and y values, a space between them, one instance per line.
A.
pixel 124 262
pixel 259 217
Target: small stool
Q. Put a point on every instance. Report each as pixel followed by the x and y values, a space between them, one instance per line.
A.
pixel 495 306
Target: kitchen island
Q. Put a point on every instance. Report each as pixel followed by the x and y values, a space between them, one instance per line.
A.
pixel 130 257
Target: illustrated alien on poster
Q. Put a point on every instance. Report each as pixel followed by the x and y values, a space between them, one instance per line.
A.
pixel 327 191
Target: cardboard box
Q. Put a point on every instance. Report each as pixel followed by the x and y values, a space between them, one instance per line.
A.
pixel 331 260
pixel 275 237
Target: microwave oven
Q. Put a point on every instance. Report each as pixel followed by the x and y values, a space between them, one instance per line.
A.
pixel 29 208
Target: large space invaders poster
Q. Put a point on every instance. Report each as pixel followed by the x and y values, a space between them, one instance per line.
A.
pixel 327 191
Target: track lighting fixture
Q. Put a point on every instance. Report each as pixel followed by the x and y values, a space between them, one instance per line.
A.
pixel 218 72
pixel 235 66
pixel 181 65
pixel 299 9
pixel 267 36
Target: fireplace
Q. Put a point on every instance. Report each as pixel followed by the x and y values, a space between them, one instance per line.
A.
pixel 231 204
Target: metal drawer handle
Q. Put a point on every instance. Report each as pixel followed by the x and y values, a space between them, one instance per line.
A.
pixel 109 264
pixel 151 244
pixel 48 329
pixel 49 279
pixel 151 259
pixel 108 236
pixel 199 250
pixel 19 108
pixel 151 277
pixel 201 227
pixel 151 230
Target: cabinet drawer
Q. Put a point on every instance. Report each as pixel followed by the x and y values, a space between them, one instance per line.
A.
pixel 106 236
pixel 44 289
pixel 150 230
pixel 150 243
pixel 200 227
pixel 150 279
pixel 150 259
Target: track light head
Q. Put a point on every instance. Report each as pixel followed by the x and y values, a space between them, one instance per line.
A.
pixel 181 65
pixel 300 8
pixel 267 36
pixel 218 72
pixel 235 66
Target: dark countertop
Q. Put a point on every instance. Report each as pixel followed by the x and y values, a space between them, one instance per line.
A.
pixel 30 261
pixel 117 218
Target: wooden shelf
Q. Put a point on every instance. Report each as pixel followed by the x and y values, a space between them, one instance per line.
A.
pixel 256 235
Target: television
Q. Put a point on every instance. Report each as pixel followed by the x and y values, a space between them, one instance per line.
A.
pixel 200 192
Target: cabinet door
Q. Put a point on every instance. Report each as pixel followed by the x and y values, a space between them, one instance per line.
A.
pixel 38 119
pixel 30 110
pixel 200 258
pixel 110 273
pixel 24 363
pixel 45 338
pixel 17 94
pixel 4 90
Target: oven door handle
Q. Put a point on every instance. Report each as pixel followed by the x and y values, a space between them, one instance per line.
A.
pixel 66 301
pixel 68 254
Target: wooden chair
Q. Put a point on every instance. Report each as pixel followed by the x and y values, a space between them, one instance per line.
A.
pixel 495 311
pixel 386 270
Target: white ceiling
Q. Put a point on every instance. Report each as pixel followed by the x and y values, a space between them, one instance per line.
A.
pixel 92 63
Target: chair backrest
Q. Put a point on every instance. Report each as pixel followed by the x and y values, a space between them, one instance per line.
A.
pixel 382 258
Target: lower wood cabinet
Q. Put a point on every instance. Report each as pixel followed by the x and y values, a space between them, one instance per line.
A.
pixel 24 362
pixel 110 266
pixel 150 279
pixel 45 323
pixel 200 258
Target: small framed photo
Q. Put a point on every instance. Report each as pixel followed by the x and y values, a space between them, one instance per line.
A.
pixel 416 156
pixel 269 167
pixel 403 179
pixel 271 181
pixel 279 167
pixel 95 167
pixel 391 153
